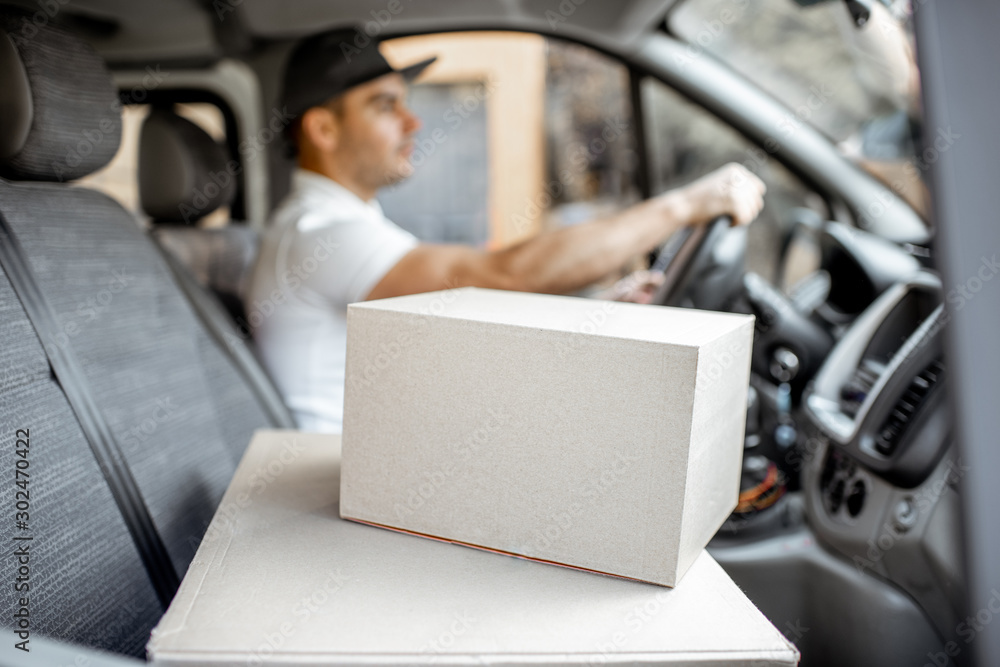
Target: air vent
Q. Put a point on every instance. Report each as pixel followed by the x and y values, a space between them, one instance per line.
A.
pixel 856 390
pixel 909 403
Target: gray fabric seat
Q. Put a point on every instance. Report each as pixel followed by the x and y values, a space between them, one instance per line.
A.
pixel 184 175
pixel 87 582
pixel 178 407
pixel 219 259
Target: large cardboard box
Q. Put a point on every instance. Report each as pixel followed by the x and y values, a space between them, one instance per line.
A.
pixel 591 434
pixel 280 579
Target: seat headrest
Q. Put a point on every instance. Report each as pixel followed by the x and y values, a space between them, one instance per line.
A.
pixel 184 174
pixel 60 117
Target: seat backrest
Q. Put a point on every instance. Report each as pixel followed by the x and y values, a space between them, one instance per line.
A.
pixel 184 175
pixel 178 410
pixel 219 259
pixel 85 580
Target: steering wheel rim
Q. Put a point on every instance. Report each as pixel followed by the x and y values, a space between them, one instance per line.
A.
pixel 678 261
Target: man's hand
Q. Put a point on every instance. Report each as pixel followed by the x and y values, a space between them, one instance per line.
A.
pixel 636 287
pixel 730 190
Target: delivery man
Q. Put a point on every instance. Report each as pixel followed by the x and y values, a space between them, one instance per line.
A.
pixel 328 243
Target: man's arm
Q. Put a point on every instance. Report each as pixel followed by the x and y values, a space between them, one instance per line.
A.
pixel 575 257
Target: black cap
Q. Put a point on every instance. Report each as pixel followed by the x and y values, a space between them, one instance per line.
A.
pixel 326 65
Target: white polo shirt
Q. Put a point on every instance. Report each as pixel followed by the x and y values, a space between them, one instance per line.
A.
pixel 324 248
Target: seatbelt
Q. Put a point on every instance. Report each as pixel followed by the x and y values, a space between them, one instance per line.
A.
pixel 68 371
pixel 210 314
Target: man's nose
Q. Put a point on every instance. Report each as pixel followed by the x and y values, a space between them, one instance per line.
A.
pixel 411 122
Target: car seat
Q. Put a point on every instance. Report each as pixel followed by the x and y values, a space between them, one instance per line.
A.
pixel 185 175
pixel 130 413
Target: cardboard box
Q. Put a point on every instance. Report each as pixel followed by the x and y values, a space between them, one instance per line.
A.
pixel 592 434
pixel 280 579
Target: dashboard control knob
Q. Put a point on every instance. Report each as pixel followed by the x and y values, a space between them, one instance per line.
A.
pixel 785 436
pixel 905 515
pixel 784 365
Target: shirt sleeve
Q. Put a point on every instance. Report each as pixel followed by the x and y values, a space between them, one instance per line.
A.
pixel 343 260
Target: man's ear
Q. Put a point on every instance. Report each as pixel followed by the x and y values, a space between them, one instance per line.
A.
pixel 320 128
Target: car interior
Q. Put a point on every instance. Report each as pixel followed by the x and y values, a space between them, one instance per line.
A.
pixel 129 351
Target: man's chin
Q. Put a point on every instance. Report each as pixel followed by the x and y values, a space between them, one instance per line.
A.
pixel 406 170
pixel 402 173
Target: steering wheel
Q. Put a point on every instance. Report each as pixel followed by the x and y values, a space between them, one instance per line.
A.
pixel 702 266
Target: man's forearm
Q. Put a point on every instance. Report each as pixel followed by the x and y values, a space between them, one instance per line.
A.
pixel 575 257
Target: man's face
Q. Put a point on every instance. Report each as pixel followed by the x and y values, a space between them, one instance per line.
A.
pixel 375 141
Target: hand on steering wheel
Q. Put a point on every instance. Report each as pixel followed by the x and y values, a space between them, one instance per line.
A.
pixel 700 262
pixel 731 190
pixel 684 256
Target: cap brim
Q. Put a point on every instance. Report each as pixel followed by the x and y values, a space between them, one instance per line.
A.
pixel 413 71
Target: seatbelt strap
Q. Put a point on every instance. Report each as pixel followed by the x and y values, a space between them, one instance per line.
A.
pixel 68 371
pixel 217 324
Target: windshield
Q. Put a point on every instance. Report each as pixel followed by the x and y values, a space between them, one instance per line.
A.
pixel 859 86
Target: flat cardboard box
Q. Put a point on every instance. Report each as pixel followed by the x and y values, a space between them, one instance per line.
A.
pixel 280 579
pixel 592 434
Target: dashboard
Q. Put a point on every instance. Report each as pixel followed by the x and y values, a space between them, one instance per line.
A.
pixel 878 396
pixel 880 475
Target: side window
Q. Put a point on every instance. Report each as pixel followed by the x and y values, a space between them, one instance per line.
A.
pixel 686 142
pixel 590 134
pixel 520 134
pixel 858 85
pixel 119 178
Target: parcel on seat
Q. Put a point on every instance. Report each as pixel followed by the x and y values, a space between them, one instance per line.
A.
pixel 591 434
